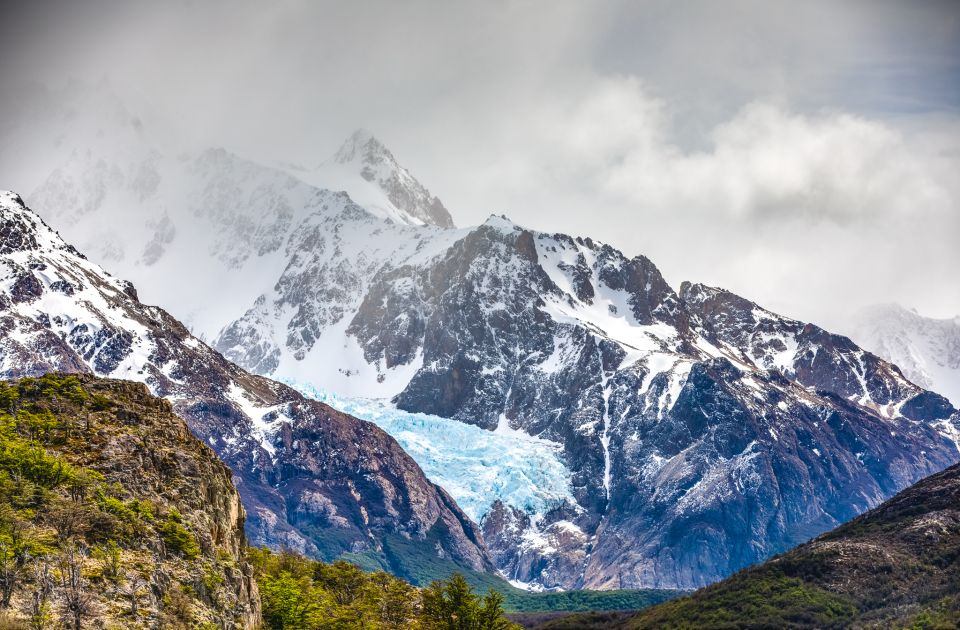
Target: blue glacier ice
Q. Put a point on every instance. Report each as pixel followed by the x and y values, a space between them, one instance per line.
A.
pixel 474 465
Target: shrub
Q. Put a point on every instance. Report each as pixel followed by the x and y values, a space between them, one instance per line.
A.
pixel 177 538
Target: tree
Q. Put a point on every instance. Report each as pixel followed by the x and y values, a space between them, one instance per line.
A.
pixel 452 605
pixel 177 538
pixel 491 613
pixel 9 398
pixel 397 602
pixel 290 603
pixel 70 520
pixel 15 548
pixel 40 616
pixel 342 580
pixel 134 589
pixel 75 595
pixel 110 561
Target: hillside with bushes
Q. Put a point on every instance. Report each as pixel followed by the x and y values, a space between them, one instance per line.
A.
pixel 112 512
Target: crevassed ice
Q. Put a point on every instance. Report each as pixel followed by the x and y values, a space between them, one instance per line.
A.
pixel 474 465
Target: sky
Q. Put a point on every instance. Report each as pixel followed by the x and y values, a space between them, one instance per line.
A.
pixel 802 154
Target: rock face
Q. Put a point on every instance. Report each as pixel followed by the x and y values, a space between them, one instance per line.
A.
pixel 146 457
pixel 702 432
pixel 312 479
pixel 926 349
pixel 892 567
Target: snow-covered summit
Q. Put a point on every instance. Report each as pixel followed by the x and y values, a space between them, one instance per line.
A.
pixel 361 147
pixel 925 348
pixel 21 230
pixel 373 177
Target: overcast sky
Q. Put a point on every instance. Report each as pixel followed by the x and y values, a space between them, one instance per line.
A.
pixel 804 154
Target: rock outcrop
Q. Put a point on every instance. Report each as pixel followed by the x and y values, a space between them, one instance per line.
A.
pixel 142 512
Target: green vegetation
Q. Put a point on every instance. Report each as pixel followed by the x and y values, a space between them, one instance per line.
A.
pixel 770 601
pixel 301 594
pixel 407 560
pixel 75 545
pixel 176 536
pixel 517 600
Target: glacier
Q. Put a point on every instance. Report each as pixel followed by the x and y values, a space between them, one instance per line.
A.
pixel 476 466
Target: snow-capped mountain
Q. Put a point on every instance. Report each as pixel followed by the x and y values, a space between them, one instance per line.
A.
pixel 367 171
pixel 926 349
pixel 702 433
pixel 311 478
pixel 134 201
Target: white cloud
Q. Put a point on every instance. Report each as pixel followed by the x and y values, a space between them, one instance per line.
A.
pixel 813 214
pixel 764 162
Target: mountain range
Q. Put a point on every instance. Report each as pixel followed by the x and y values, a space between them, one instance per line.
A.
pixel 311 478
pixel 694 431
pixel 678 412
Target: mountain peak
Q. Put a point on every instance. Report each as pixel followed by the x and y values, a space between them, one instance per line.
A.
pixel 500 222
pixel 376 165
pixel 364 147
pixel 21 229
pixel 10 198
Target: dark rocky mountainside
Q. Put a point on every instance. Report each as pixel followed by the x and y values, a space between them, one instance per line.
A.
pixel 111 509
pixel 702 433
pixel 312 479
pixel 897 566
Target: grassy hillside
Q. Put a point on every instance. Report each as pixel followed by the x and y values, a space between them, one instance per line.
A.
pixel 897 566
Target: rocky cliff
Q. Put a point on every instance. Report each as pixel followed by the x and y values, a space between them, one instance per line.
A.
pixel 893 567
pixel 111 509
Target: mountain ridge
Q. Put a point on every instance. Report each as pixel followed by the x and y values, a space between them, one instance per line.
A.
pixel 569 340
pixel 891 567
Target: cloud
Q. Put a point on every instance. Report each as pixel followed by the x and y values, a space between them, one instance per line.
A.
pixel 804 155
pixel 764 163
pixel 809 213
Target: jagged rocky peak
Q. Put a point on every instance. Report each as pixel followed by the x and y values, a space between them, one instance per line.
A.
pixel 377 165
pixel 19 229
pixel 15 234
pixel 362 146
